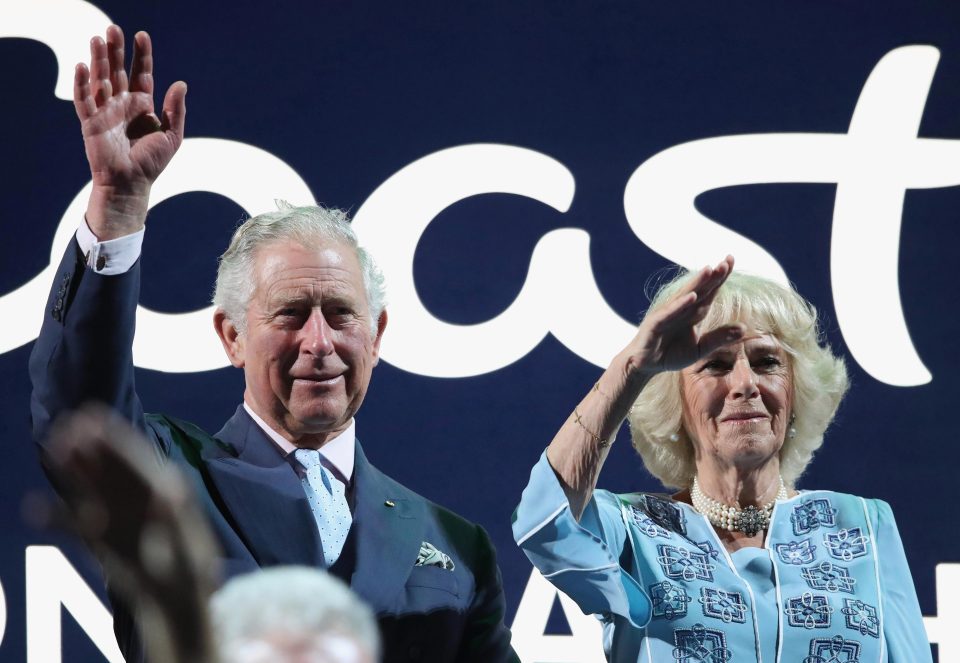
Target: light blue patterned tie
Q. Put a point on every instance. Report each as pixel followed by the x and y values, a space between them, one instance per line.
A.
pixel 329 504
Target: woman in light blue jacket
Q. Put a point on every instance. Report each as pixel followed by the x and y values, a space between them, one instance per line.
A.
pixel 728 391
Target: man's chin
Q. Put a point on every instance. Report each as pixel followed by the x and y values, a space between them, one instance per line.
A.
pixel 317 421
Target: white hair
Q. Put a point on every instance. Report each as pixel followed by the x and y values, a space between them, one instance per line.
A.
pixel 256 614
pixel 310 226
pixel 819 378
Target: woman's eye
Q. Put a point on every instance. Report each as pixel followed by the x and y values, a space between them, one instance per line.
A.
pixel 767 362
pixel 715 365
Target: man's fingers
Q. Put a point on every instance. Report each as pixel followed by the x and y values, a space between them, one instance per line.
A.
pixel 174 112
pixel 100 71
pixel 141 68
pixel 115 55
pixel 82 96
pixel 99 65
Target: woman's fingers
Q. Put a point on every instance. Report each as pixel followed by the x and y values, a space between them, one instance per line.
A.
pixel 719 337
pixel 710 286
pixel 673 311
pixel 714 278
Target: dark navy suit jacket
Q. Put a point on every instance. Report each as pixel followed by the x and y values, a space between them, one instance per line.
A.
pixel 254 499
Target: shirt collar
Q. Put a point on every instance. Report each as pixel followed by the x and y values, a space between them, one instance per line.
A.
pixel 339 451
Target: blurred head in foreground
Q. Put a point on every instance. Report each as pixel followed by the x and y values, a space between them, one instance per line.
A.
pixel 292 615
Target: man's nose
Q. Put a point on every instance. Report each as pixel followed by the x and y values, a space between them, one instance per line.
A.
pixel 317 334
pixel 743 380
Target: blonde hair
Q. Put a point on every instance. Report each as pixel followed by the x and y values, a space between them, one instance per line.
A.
pixel 819 378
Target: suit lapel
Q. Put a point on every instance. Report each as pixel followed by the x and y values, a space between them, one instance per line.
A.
pixel 388 537
pixel 263 494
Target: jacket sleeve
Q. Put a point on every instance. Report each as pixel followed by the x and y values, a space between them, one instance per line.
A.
pixel 582 559
pixel 903 629
pixel 85 348
pixel 85 353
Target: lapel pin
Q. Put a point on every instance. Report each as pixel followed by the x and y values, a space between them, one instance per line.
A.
pixel 389 503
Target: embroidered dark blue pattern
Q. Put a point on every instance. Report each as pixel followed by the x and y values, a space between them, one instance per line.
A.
pixel 833 650
pixel 846 544
pixel 646 525
pixel 861 617
pixel 727 606
pixel 830 577
pixel 683 563
pixel 812 514
pixel 796 552
pixel 669 600
pixel 700 645
pixel 666 514
pixel 809 611
pixel 708 548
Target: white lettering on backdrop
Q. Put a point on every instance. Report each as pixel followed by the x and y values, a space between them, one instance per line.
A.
pixel 52 582
pixel 873 164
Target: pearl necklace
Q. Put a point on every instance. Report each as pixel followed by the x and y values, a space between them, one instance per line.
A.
pixel 749 520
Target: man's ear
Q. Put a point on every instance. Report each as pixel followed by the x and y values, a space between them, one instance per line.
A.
pixel 381 325
pixel 230 337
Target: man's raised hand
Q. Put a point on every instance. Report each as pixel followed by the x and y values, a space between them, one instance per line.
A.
pixel 127 144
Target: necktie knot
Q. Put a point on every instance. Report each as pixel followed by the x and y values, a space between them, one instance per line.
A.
pixel 308 458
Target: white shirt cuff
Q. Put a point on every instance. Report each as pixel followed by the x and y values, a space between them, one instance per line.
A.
pixel 114 256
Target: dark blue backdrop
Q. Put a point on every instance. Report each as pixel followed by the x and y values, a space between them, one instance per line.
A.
pixel 348 93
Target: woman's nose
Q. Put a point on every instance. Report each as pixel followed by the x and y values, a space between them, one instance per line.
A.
pixel 743 380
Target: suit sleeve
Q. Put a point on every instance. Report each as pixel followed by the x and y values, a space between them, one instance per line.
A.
pixel 85 348
pixel 903 628
pixel 486 639
pixel 581 559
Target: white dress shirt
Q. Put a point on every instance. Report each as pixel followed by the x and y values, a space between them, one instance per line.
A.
pixel 114 256
pixel 338 451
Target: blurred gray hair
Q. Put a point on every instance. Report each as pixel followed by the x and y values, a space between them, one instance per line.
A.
pixel 819 378
pixel 311 226
pixel 254 613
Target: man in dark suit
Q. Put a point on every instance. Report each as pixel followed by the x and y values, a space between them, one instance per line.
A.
pixel 300 311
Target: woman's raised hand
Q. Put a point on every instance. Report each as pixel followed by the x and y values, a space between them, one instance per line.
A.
pixel 669 339
pixel 127 144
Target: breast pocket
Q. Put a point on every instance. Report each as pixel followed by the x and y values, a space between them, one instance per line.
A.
pixel 433 577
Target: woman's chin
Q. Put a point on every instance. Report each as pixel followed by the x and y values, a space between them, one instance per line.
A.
pixel 749 448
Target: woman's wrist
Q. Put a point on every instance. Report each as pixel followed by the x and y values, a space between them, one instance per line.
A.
pixel 635 371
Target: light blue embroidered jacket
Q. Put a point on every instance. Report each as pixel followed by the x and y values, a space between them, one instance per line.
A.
pixel 832 584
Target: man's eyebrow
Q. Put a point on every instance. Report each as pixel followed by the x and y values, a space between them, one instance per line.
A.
pixel 329 296
pixel 286 299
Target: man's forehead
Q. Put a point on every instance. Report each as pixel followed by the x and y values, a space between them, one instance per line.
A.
pixel 288 261
pixel 290 273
